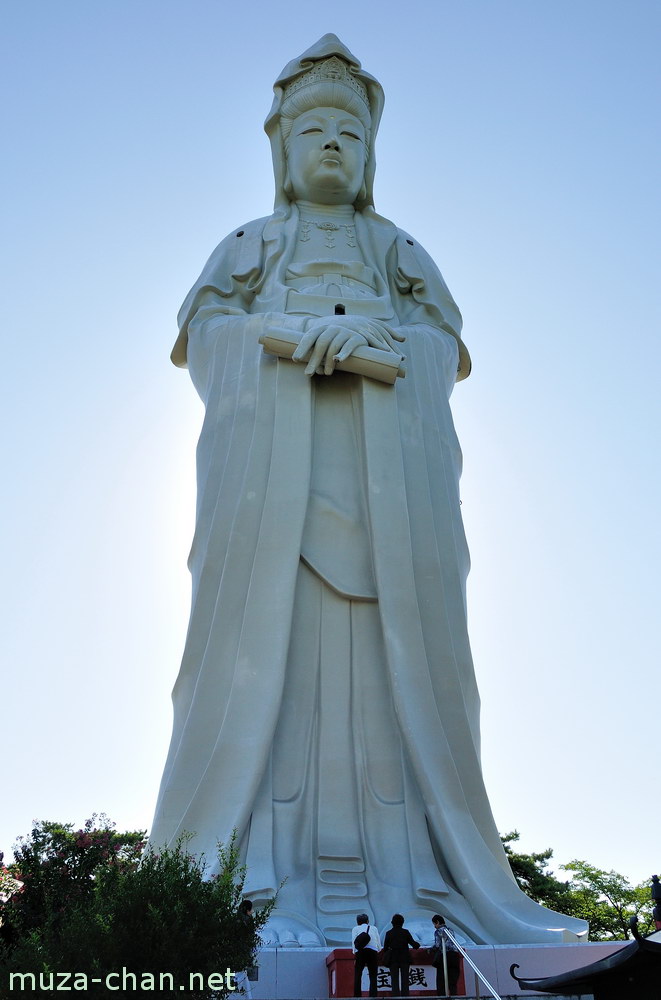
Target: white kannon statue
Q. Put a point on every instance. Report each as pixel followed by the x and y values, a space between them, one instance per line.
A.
pixel 326 708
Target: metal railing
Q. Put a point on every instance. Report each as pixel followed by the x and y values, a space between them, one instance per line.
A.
pixel 478 975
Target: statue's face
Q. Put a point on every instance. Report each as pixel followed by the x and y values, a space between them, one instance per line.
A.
pixel 326 157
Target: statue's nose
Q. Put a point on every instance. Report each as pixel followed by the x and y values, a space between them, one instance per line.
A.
pixel 332 143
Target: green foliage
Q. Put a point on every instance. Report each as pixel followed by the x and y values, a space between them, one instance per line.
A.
pixel 606 899
pixel 161 914
pixel 58 866
pixel 534 877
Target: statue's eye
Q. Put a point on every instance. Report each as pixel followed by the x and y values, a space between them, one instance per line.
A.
pixel 352 135
pixel 313 128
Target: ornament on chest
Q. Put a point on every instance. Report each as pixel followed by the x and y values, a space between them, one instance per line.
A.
pixel 331 231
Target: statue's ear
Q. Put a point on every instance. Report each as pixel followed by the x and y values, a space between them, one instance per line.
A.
pixel 362 194
pixel 287 185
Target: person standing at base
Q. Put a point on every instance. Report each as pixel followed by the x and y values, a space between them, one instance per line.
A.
pixel 452 956
pixel 366 956
pixel 242 980
pixel 397 942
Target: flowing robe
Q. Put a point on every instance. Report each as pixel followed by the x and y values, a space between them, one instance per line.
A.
pixel 254 726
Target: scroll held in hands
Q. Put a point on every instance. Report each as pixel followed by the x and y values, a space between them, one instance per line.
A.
pixel 384 366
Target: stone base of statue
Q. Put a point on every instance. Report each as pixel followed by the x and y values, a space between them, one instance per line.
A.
pixel 307 973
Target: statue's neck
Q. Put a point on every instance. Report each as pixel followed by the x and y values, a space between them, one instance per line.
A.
pixel 309 209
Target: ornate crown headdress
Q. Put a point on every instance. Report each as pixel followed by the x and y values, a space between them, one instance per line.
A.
pixel 331 70
pixel 327 75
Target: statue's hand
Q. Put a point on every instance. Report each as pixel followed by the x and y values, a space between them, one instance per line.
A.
pixel 331 339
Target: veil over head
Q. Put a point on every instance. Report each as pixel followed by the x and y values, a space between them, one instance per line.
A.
pixel 328 46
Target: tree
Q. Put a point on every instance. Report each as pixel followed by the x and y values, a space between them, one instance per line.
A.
pixel 534 877
pixel 162 924
pixel 606 900
pixel 58 865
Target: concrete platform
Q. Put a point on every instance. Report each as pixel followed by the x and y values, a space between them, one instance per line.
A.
pixel 301 973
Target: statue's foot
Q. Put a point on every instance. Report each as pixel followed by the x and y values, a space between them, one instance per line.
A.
pixel 289 930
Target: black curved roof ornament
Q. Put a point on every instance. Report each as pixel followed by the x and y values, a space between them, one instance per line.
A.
pixel 630 973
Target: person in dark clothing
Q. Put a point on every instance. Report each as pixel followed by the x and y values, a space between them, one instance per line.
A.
pixel 452 955
pixel 397 942
pixel 246 919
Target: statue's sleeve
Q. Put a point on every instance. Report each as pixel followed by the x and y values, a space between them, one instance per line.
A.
pixel 423 297
pixel 226 285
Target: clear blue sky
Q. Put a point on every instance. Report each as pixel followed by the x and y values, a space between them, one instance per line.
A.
pixel 520 144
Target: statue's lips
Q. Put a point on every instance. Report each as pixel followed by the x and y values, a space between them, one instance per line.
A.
pixel 331 158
